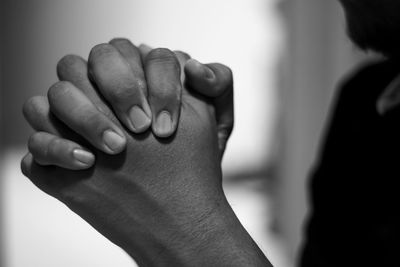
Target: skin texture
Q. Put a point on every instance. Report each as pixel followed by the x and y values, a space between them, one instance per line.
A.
pixel 160 199
pixel 165 195
pixel 110 71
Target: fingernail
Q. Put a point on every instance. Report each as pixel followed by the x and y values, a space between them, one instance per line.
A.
pixel 113 141
pixel 163 124
pixel 83 156
pixel 139 119
pixel 208 73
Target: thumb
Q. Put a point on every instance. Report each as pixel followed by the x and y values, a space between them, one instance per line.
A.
pixel 214 80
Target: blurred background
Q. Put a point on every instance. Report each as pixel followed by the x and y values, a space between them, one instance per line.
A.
pixel 286 56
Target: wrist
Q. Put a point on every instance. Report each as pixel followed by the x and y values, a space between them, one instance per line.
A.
pixel 213 237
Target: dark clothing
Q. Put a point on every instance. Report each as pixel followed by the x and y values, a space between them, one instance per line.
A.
pixel 355 189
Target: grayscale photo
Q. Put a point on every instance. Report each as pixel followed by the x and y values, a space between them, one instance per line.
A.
pixel 182 133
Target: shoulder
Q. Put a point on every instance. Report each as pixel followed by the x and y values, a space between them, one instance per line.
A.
pixel 368 80
pixel 354 107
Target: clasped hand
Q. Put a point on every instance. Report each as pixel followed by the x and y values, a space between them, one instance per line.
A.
pixel 131 141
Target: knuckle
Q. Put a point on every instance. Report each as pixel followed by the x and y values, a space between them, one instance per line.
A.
pixel 106 111
pixel 184 55
pixel 121 93
pixel 33 141
pixel 53 147
pixel 120 40
pixel 77 195
pixel 161 54
pixel 38 148
pixel 71 198
pixel 71 67
pixel 68 61
pixel 91 123
pixel 58 90
pixel 126 89
pixel 101 50
pixel 140 85
pixel 168 93
pixel 33 105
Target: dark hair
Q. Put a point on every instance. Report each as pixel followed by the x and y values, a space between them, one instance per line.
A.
pixel 374 25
